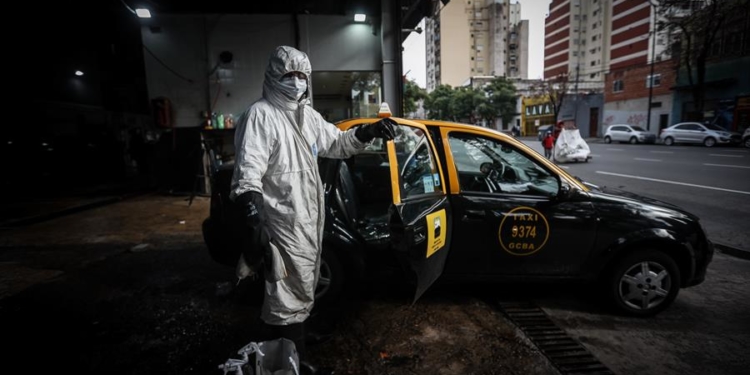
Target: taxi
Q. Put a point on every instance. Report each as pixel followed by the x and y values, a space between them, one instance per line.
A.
pixel 466 203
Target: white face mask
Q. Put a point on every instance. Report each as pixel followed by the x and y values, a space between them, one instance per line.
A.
pixel 293 87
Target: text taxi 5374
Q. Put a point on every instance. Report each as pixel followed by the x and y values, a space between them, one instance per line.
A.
pixel 469 203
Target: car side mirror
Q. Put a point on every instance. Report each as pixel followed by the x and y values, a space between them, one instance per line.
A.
pixel 564 192
pixel 630 131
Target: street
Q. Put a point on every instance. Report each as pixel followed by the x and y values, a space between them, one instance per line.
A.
pixel 712 183
pixel 707 329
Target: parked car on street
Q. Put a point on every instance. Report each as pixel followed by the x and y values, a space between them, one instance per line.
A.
pixel 466 203
pixel 694 132
pixel 746 138
pixel 628 133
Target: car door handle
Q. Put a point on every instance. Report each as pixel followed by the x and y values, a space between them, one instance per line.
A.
pixel 474 215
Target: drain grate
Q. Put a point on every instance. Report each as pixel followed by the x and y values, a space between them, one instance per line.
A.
pixel 565 353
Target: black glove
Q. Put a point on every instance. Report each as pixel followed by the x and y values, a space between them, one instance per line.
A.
pixel 251 203
pixel 381 129
pixel 254 249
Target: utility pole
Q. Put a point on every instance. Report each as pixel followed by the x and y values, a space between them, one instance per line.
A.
pixel 653 57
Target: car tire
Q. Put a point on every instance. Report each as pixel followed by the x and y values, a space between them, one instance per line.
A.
pixel 669 141
pixel 709 142
pixel 607 139
pixel 643 283
pixel 633 140
pixel 331 280
pixel 746 142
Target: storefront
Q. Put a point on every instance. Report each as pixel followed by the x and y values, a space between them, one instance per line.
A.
pixel 535 112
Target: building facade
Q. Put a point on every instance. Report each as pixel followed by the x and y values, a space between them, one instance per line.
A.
pixel 476 38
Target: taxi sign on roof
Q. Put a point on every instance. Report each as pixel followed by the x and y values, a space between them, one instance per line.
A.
pixel 385 110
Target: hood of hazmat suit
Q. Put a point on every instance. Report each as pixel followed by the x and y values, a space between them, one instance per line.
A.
pixel 277 141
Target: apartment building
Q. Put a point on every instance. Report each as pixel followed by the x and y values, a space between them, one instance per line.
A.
pixel 577 41
pixel 476 38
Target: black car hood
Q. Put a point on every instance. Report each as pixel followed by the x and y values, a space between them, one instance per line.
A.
pixel 603 193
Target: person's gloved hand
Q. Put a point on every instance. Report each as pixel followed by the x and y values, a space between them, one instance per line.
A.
pixel 382 129
pixel 256 242
pixel 251 203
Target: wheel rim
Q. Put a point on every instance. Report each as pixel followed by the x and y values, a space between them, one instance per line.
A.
pixel 607 139
pixel 645 285
pixel 324 280
pixel 668 141
pixel 633 141
pixel 747 143
pixel 710 142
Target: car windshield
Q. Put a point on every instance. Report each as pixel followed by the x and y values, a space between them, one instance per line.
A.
pixel 638 128
pixel 715 127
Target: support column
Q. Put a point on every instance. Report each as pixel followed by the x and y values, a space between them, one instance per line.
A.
pixel 390 32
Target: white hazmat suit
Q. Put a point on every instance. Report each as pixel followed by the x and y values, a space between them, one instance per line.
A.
pixel 277 142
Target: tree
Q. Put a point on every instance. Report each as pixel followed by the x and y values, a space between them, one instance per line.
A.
pixel 501 101
pixel 412 94
pixel 438 103
pixel 697 28
pixel 465 102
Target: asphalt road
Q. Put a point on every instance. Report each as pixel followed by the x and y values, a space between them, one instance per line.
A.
pixel 712 183
pixel 706 330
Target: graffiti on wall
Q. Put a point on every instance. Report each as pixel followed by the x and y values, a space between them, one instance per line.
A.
pixel 609 120
pixel 638 119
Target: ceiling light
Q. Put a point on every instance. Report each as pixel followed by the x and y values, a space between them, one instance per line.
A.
pixel 79 73
pixel 360 17
pixel 143 13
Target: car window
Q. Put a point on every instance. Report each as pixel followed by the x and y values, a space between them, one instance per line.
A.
pixel 416 162
pixel 621 129
pixel 715 127
pixel 683 127
pixel 489 166
pixel 638 128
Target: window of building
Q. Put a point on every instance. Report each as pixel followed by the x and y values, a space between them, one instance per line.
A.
pixel 575 53
pixel 593 38
pixel 655 80
pixel 479 58
pixel 656 105
pixel 593 63
pixel 576 17
pixel 617 86
pixel 593 26
pixel 480 70
pixel 584 17
pixel 575 41
pixel 592 75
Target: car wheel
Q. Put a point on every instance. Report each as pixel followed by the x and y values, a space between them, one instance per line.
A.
pixel 644 283
pixel 607 139
pixel 633 140
pixel 709 142
pixel 331 279
pixel 669 141
pixel 747 142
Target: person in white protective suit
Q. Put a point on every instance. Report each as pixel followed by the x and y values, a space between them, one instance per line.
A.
pixel 276 181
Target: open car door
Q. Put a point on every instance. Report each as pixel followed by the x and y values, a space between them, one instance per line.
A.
pixel 420 216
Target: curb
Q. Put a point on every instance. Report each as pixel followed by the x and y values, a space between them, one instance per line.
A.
pixel 733 251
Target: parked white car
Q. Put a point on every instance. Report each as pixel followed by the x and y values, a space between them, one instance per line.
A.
pixel 628 133
pixel 694 132
pixel 746 138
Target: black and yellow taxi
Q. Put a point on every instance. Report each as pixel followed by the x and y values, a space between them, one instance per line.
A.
pixel 463 202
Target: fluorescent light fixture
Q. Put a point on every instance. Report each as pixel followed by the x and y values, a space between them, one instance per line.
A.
pixel 360 17
pixel 143 13
pixel 79 73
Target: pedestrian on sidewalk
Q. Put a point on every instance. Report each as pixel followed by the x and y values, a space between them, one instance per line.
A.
pixel 548 142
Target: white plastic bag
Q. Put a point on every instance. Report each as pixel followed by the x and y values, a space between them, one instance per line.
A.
pixel 274 357
pixel 571 147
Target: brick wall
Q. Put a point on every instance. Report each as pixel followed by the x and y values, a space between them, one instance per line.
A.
pixel 634 81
